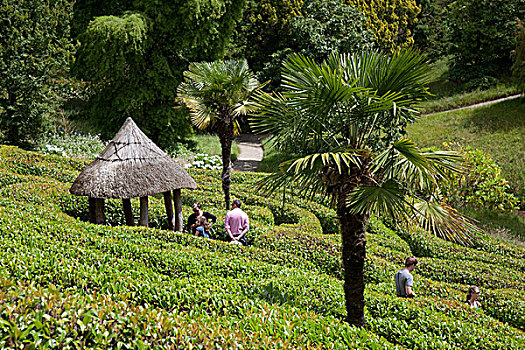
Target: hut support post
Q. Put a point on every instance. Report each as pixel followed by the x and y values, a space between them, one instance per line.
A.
pixel 96 211
pixel 128 212
pixel 92 203
pixel 169 210
pixel 178 210
pixel 144 219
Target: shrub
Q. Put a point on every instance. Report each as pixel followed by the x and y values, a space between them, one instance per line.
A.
pixel 481 185
pixel 74 145
pixel 391 22
pixel 482 37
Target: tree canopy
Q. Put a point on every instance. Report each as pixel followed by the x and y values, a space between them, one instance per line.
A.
pixel 344 120
pixel 34 50
pixel 392 22
pixel 134 59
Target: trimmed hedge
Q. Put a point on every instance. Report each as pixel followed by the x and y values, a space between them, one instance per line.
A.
pixel 285 291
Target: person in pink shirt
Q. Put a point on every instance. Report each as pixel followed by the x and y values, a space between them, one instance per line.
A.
pixel 236 223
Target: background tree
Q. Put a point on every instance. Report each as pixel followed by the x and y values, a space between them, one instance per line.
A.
pixel 217 94
pixel 34 50
pixel 518 68
pixel 482 37
pixel 391 22
pixel 344 119
pixel 134 58
pixel 432 29
pixel 272 29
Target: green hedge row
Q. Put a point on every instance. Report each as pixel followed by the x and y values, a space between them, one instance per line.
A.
pixel 112 267
pixel 425 323
pixel 486 250
pixel 284 291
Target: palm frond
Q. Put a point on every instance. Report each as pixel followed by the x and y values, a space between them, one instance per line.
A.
pixel 387 199
pixel 211 87
pixel 444 222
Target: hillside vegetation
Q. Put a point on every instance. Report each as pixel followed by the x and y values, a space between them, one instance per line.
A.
pixel 497 129
pixel 66 283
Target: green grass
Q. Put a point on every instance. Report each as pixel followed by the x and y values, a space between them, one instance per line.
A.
pixel 465 99
pixel 499 224
pixel 497 129
pixel 211 145
pixel 271 158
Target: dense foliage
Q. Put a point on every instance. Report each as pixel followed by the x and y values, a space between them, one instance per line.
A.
pixel 481 184
pixel 392 22
pixel 34 51
pixel 69 284
pixel 432 29
pixel 482 37
pixel 518 68
pixel 272 29
pixel 134 56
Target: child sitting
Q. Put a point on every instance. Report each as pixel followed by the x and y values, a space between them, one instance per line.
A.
pixel 203 228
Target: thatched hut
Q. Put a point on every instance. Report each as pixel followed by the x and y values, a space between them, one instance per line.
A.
pixel 133 166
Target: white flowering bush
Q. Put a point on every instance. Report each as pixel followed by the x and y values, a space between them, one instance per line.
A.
pixel 205 161
pixel 73 145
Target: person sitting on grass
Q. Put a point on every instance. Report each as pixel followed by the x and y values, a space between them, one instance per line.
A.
pixel 472 296
pixel 192 219
pixel 404 279
pixel 203 228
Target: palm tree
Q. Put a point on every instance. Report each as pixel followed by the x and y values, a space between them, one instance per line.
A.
pixel 344 119
pixel 216 94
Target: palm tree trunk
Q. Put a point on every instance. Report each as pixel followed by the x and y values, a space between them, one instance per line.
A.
pixel 353 254
pixel 225 133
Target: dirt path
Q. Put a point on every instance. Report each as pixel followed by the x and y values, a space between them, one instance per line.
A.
pixel 479 104
pixel 251 152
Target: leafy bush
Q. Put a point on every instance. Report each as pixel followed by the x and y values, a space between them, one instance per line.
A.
pixel 482 37
pixel 481 185
pixel 391 22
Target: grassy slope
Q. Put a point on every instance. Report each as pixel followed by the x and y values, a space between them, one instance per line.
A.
pixel 447 95
pixel 497 129
pixel 150 288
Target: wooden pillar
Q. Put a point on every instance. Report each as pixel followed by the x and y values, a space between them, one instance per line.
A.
pixel 128 212
pixel 100 217
pixel 169 210
pixel 144 219
pixel 92 204
pixel 178 210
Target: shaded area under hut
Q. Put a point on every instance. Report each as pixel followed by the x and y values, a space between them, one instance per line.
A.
pixel 133 166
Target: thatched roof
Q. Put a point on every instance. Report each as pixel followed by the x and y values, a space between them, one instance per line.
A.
pixel 131 166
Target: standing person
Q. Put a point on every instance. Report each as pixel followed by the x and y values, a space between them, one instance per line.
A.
pixel 192 223
pixel 472 296
pixel 404 279
pixel 236 223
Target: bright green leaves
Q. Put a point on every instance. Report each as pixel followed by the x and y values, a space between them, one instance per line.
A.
pixel 34 49
pixel 110 42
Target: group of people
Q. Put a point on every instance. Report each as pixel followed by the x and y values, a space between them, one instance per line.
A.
pixel 236 223
pixel 405 283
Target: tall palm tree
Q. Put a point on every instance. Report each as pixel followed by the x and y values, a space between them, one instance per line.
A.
pixel 216 94
pixel 345 121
